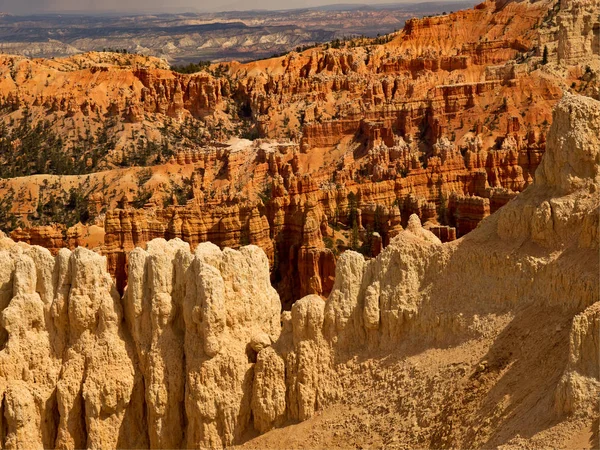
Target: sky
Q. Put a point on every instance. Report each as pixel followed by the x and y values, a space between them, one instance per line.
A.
pixel 145 6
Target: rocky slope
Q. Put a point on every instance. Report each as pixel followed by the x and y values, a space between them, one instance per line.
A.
pixel 485 341
pixel 431 120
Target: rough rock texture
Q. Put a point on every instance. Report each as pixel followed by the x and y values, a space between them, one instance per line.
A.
pixel 428 338
pixel 49 237
pixel 67 374
pixel 173 360
pixel 431 120
pixel 582 376
pixel 147 85
pixel 579 30
pixel 433 346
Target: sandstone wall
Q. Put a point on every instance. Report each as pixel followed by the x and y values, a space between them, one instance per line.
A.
pixel 171 364
pixel 579 30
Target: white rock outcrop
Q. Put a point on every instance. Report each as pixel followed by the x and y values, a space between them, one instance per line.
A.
pixel 579 35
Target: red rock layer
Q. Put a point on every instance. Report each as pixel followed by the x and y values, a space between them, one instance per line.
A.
pixel 446 121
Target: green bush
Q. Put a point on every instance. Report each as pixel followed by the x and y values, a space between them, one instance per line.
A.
pixel 8 220
pixel 29 149
pixel 191 67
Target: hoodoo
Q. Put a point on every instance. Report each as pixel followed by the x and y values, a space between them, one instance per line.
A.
pixel 304 155
pixel 388 242
pixel 485 341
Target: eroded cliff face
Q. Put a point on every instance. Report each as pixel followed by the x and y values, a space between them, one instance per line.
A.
pixel 579 30
pixel 435 121
pixel 104 85
pixel 487 341
pixel 169 365
pixel 419 295
pixel 497 328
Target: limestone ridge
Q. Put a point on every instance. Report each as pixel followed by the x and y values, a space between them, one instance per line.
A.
pixel 196 352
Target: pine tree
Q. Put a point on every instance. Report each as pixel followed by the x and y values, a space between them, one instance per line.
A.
pixel 545 55
pixel 354 241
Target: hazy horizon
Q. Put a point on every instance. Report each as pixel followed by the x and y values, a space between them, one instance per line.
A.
pixel 26 7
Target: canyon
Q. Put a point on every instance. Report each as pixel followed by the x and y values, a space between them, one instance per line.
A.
pixel 425 345
pixel 305 155
pixel 390 242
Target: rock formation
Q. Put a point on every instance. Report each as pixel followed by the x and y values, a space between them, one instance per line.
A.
pixel 164 340
pixel 493 335
pixel 579 30
pixel 433 121
pixel 478 360
pixel 171 364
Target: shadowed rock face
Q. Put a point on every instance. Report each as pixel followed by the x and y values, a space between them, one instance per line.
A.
pixel 196 353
